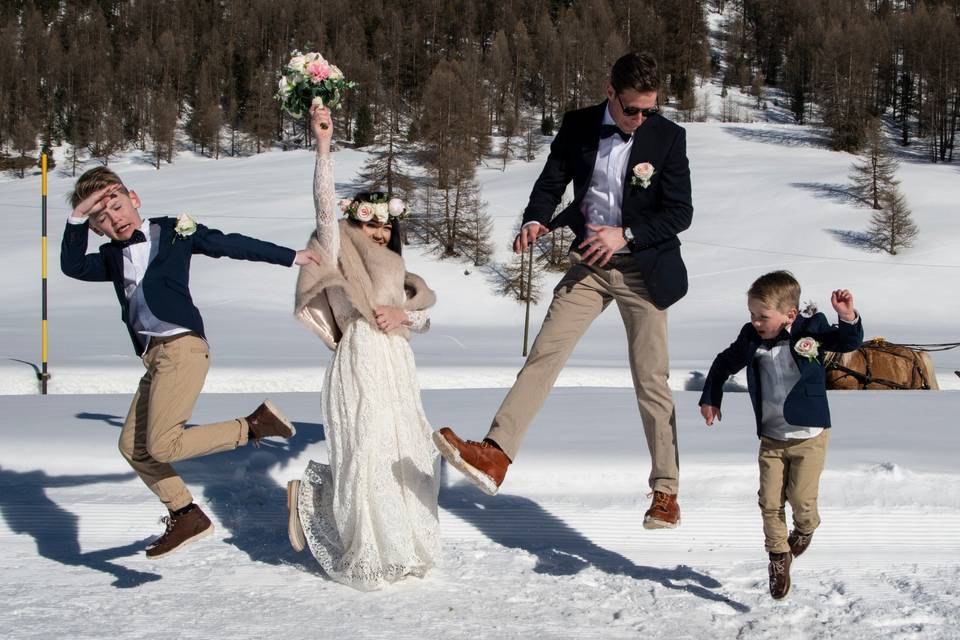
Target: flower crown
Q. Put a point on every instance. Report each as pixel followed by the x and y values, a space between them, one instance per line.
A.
pixel 378 207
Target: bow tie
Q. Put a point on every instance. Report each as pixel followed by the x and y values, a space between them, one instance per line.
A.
pixel 136 237
pixel 607 130
pixel 772 342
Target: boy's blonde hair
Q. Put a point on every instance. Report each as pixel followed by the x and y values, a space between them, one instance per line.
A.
pixel 91 181
pixel 776 290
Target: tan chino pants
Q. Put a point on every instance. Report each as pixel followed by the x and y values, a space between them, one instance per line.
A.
pixel 583 293
pixel 153 434
pixel 790 472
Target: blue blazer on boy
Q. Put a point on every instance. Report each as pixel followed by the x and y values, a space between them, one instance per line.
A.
pixel 166 282
pixel 806 403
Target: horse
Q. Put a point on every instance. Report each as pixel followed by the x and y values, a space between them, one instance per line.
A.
pixel 879 364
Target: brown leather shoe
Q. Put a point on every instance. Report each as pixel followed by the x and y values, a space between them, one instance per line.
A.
pixel 267 421
pixel 798 542
pixel 482 462
pixel 181 530
pixel 779 570
pixel 664 512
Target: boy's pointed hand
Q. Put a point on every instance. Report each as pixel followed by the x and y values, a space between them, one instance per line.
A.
pixel 709 413
pixel 306 256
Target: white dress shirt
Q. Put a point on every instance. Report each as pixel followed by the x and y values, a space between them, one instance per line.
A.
pixel 601 204
pixel 136 259
pixel 603 200
pixel 778 375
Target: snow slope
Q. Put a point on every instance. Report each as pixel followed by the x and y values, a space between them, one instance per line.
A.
pixel 562 552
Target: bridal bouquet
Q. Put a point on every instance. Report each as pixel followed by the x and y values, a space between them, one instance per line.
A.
pixel 308 78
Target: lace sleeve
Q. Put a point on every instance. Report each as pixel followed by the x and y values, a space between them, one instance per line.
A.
pixel 328 233
pixel 419 321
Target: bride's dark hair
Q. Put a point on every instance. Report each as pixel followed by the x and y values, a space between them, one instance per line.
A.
pixel 395 243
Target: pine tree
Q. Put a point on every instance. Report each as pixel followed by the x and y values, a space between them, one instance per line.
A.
pixel 873 175
pixel 384 170
pixel 891 228
pixel 363 131
pixel 453 222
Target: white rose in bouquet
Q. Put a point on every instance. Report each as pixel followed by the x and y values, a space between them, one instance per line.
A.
pixel 308 78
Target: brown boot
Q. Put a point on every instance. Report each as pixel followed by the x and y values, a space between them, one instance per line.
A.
pixel 482 462
pixel 181 530
pixel 267 421
pixel 294 529
pixel 779 570
pixel 664 512
pixel 798 542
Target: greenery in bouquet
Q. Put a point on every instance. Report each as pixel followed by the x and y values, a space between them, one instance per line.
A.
pixel 308 77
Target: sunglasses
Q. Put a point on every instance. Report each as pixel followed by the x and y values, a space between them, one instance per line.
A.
pixel 632 111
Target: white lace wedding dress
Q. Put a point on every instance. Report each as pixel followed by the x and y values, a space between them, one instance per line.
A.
pixel 370 515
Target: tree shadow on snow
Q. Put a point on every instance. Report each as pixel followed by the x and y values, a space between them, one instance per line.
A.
pixel 26 509
pixel 241 493
pixel 855 239
pixel 793 137
pixel 839 193
pixel 520 523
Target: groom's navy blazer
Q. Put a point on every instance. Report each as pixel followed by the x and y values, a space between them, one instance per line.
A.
pixel 655 214
pixel 806 404
pixel 166 283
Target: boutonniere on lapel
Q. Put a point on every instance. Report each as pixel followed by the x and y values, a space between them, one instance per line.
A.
pixel 807 348
pixel 642 174
pixel 186 226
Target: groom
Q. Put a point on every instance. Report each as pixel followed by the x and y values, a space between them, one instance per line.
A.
pixel 631 184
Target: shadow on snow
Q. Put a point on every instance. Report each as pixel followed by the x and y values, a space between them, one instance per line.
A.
pixel 520 523
pixel 28 510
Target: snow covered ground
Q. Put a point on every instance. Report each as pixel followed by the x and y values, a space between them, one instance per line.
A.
pixel 562 552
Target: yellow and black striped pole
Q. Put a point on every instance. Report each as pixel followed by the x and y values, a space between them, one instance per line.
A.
pixel 42 374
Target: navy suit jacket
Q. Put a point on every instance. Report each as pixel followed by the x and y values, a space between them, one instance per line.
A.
pixel 166 283
pixel 806 404
pixel 655 215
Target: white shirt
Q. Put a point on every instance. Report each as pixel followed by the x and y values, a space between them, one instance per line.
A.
pixel 601 204
pixel 778 375
pixel 603 200
pixel 136 259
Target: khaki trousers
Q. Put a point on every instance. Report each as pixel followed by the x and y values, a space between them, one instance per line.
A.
pixel 583 293
pixel 153 434
pixel 790 472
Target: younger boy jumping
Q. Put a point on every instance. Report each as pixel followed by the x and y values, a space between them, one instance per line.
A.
pixel 783 352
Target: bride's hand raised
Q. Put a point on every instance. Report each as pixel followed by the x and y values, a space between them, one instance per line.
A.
pixel 322 126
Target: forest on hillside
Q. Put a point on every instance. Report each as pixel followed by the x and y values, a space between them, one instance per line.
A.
pixel 441 76
pixel 448 84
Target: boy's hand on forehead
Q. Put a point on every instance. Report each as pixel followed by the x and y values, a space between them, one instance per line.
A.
pixel 96 201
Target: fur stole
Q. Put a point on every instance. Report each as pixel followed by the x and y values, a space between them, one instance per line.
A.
pixel 367 276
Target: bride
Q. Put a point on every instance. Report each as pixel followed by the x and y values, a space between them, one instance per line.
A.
pixel 369 516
